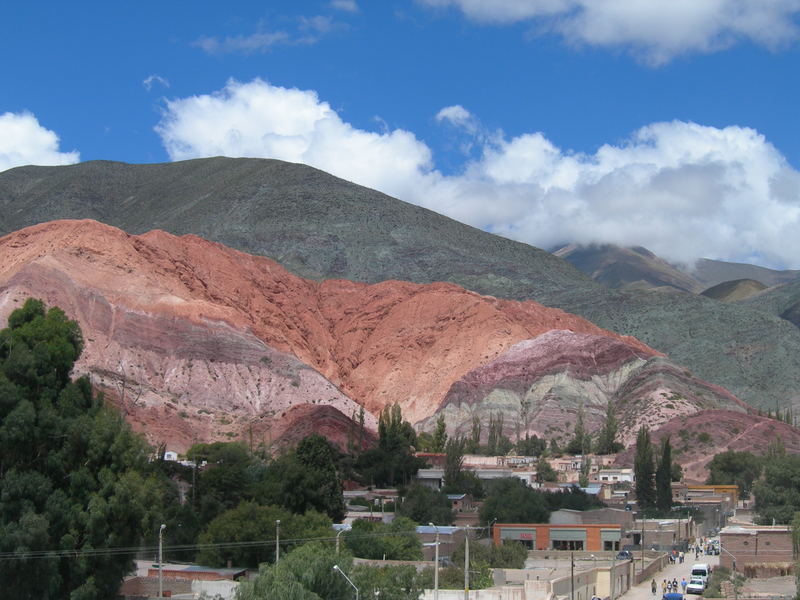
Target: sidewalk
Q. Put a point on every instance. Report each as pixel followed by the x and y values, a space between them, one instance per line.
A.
pixel 676 571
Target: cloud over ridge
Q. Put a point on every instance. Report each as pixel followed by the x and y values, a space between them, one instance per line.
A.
pixel 23 141
pixel 656 32
pixel 682 189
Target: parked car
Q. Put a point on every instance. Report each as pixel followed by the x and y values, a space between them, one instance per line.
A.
pixel 624 555
pixel 696 586
pixel 672 596
pixel 701 571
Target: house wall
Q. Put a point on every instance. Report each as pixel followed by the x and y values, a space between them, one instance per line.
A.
pixel 543 533
pixel 756 546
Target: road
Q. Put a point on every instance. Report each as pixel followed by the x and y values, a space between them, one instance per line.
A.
pixel 670 572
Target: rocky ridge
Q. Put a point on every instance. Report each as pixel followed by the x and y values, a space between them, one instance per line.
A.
pixel 192 337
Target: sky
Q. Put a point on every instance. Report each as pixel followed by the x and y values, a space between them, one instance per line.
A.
pixel 670 125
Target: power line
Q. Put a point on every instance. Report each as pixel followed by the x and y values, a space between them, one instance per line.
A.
pixel 91 552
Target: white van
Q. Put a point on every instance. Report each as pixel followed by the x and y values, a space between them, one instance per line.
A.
pixel 701 571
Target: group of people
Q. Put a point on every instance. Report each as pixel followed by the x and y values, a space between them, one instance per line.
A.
pixel 669 586
pixel 676 557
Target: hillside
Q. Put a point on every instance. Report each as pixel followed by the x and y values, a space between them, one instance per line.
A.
pixel 321 227
pixel 782 300
pixel 713 272
pixel 730 291
pixel 191 338
pixel 618 267
pixel 539 385
pixel 696 438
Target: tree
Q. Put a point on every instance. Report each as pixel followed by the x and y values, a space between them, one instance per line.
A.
pixel 531 446
pixel 664 476
pixel 474 442
pixel 250 522
pixel 440 435
pixel 508 555
pixel 423 505
pixel 544 471
pixel 453 463
pixel 607 439
pixel 392 462
pixel 73 476
pixel 644 470
pixel 735 468
pixel 509 500
pixel 388 583
pixel 381 541
pixel 580 442
pixel 305 479
pixel 306 573
pixel 778 494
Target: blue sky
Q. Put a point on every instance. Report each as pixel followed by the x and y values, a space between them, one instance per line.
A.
pixel 547 121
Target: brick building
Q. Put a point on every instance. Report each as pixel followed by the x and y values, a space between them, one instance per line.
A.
pixel 755 545
pixel 595 537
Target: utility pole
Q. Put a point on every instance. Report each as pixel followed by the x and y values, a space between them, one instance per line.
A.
pixel 436 567
pixel 572 576
pixel 613 574
pixel 466 563
pixel 337 540
pixel 161 560
pixel 277 540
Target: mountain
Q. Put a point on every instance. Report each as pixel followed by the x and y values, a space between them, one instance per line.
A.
pixel 540 385
pixel 618 267
pixel 191 338
pixel 321 227
pixel 730 291
pixel 713 272
pixel 782 300
pixel 696 438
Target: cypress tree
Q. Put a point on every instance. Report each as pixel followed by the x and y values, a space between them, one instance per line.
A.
pixel 664 477
pixel 644 470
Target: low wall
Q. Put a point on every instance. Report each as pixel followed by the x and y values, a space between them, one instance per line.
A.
pixel 224 589
pixel 503 593
pixel 655 565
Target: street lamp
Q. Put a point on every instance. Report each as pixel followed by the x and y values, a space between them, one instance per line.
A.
pixel 436 566
pixel 337 569
pixel 277 540
pixel 161 560
pixel 466 563
pixel 337 540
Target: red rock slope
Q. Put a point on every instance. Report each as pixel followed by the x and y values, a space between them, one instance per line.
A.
pixel 197 340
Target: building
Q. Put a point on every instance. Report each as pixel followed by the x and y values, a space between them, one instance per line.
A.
pixel 755 545
pixel 595 537
pixel 613 476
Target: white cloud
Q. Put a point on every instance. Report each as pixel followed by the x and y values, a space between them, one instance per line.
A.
pixel 654 31
pixel 150 80
pixel 681 189
pixel 259 42
pixel 345 5
pixel 257 119
pixel 23 141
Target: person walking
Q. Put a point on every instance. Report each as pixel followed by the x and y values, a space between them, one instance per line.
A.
pixel 683 584
pixel 675 585
pixel 664 586
pixel 653 588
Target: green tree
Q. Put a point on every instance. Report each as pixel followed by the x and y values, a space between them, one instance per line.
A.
pixel 454 461
pixel 393 541
pixel 73 476
pixel 735 468
pixel 423 505
pixel 544 471
pixel 509 500
pixel 643 469
pixel 306 573
pixel 664 477
pixel 607 439
pixel 531 446
pixel 777 495
pixel 440 435
pixel 388 583
pixel 392 462
pixel 252 523
pixel 474 441
pixel 580 442
pixel 509 555
pixel 305 479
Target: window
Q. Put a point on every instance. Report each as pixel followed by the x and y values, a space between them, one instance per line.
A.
pixel 567 544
